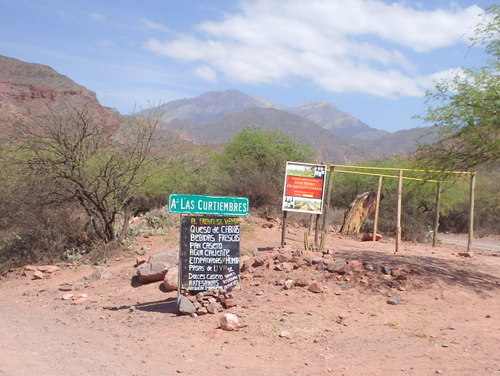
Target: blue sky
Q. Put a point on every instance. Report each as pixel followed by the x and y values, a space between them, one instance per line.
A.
pixel 371 58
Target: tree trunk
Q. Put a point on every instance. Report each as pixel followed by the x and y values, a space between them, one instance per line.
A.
pixel 125 227
pixel 358 212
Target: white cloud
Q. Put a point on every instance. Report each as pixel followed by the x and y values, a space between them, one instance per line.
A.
pixel 106 43
pixel 341 46
pixel 206 73
pixel 154 26
pixel 97 16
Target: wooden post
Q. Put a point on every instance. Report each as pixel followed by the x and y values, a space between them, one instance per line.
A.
pixel 283 230
pixel 398 218
pixel 377 205
pixel 316 232
pixel 436 214
pixel 326 204
pixel 471 211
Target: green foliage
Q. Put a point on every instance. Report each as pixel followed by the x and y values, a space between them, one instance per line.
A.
pixel 253 164
pixel 88 158
pixel 466 109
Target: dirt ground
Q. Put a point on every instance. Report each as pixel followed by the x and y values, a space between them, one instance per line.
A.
pixel 448 321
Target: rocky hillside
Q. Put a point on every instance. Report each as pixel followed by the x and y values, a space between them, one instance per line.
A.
pixel 335 120
pixel 28 90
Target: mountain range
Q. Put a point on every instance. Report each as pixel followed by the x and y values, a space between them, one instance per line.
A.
pixel 26 89
pixel 336 136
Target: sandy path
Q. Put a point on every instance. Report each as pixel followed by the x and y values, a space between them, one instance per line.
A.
pixel 448 322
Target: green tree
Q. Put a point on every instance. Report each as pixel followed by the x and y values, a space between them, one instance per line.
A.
pixel 254 164
pixel 91 158
pixel 466 109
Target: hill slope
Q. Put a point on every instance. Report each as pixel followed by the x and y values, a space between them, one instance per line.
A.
pixel 27 90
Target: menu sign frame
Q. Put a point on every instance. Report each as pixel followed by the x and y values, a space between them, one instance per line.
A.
pixel 209 253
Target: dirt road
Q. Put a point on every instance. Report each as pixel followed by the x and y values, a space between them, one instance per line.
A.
pixel 488 244
pixel 447 323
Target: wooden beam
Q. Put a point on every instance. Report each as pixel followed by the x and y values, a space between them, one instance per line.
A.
pixel 377 206
pixel 436 214
pixel 283 229
pixel 398 215
pixel 471 212
pixel 326 204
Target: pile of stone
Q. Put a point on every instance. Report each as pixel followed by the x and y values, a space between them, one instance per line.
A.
pixel 40 271
pixel 210 301
pixel 339 268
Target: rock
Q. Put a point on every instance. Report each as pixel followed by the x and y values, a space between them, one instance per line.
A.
pixel 399 274
pixel 78 296
pixel 230 302
pixel 214 307
pixel 308 260
pixel 281 257
pixel 171 279
pixel 316 260
pixel 285 334
pixel 289 284
pixel 286 266
pixel 30 268
pixel 49 268
pixel 139 261
pixel 339 266
pixel 369 237
pixel 393 300
pixel 201 311
pixel 355 266
pixel 320 266
pixel 229 322
pixel 101 274
pixel 386 270
pixel 302 282
pixel 297 262
pixel 316 287
pixel 80 301
pixel 245 263
pixel 185 306
pixel 153 271
pixel 67 296
pixel 170 256
pixel 372 267
pixel 466 254
pixel 369 267
pixel 337 290
pixel 38 275
pixel 65 287
pixel 258 261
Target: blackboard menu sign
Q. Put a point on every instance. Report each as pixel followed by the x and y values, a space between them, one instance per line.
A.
pixel 209 253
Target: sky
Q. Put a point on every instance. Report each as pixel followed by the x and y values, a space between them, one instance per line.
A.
pixel 371 58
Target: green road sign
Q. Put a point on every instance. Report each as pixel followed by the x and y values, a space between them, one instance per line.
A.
pixel 212 205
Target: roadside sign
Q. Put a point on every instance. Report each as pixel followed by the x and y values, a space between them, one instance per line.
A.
pixel 210 205
pixel 304 187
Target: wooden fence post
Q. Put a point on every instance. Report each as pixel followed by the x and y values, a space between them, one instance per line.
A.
pixel 377 205
pixel 283 230
pixel 398 218
pixel 436 214
pixel 471 211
